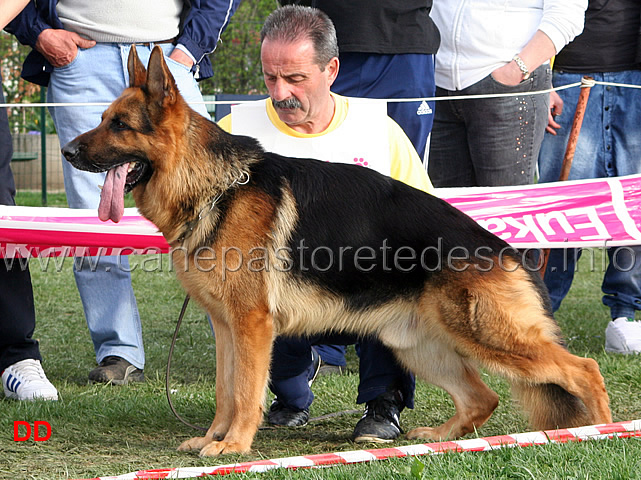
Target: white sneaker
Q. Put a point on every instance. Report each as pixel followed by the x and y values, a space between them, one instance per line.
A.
pixel 623 335
pixel 26 380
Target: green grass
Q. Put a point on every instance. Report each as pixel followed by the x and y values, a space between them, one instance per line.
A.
pixel 102 430
pixel 32 198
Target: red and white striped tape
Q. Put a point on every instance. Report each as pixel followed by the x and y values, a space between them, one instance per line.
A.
pixel 620 429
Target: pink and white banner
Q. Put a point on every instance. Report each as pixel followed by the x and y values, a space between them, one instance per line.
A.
pixel 586 213
pixel 53 232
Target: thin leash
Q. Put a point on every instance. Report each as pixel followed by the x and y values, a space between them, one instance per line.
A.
pixel 171 351
pixel 203 429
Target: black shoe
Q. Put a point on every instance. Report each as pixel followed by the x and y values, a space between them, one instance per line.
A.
pixel 116 370
pixel 380 422
pixel 328 369
pixel 281 415
pixel 316 366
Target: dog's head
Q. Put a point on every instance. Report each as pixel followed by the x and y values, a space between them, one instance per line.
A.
pixel 128 143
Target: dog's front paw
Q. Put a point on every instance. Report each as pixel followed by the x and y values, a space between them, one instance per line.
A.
pixel 424 433
pixel 218 448
pixel 196 443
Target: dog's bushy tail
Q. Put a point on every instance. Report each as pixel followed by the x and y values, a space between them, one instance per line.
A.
pixel 549 406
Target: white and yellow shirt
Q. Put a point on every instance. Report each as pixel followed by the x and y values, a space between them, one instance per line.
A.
pixel 360 133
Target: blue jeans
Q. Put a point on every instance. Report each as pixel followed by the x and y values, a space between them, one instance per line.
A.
pixel 609 145
pixel 489 142
pixel 99 74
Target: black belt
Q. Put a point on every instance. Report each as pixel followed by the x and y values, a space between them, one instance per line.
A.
pixel 149 44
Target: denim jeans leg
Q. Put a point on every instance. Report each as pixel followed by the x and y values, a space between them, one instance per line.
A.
pixel 449 162
pixel 606 147
pixel 104 283
pixel 561 264
pixel 505 133
pixel 622 109
pixel 622 281
pixel 622 118
pixel 502 134
pixel 100 74
pixel 588 159
pixel 560 273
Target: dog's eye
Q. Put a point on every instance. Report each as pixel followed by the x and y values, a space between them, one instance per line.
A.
pixel 119 124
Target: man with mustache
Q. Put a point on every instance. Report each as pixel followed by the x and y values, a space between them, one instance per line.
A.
pixel 303 118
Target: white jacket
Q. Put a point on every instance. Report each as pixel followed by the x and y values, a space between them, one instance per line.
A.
pixel 479 36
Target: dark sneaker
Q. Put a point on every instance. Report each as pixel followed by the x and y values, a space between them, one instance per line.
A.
pixel 316 366
pixel 329 369
pixel 283 416
pixel 380 422
pixel 116 370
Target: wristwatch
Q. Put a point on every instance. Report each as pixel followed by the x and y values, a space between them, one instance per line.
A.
pixel 522 66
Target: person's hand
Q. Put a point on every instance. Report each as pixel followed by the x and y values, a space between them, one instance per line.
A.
pixel 509 74
pixel 60 47
pixel 556 109
pixel 181 57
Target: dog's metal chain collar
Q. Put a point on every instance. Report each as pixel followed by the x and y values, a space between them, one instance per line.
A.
pixel 243 179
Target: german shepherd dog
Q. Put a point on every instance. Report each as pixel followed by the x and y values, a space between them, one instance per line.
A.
pixel 272 246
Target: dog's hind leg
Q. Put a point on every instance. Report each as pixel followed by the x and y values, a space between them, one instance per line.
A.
pixel 559 389
pixel 440 365
pixel 517 337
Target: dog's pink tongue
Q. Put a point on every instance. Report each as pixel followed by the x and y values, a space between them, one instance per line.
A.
pixel 112 197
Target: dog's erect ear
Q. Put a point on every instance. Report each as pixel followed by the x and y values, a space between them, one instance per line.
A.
pixel 160 82
pixel 137 72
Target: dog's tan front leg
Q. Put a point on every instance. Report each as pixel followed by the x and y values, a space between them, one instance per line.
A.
pixel 252 345
pixel 224 388
pixel 224 382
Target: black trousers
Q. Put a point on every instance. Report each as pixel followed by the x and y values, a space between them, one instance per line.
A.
pixel 17 312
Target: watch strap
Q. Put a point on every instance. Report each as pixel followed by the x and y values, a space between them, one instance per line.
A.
pixel 522 66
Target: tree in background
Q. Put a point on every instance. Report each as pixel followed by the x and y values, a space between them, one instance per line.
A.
pixel 16 90
pixel 236 60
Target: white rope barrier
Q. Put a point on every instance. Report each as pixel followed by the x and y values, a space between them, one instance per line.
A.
pixel 391 100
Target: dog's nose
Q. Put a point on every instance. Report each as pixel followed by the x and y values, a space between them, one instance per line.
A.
pixel 70 150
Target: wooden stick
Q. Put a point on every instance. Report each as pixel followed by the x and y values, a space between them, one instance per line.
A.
pixel 586 85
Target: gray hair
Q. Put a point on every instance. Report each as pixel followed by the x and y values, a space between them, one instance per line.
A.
pixel 294 23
